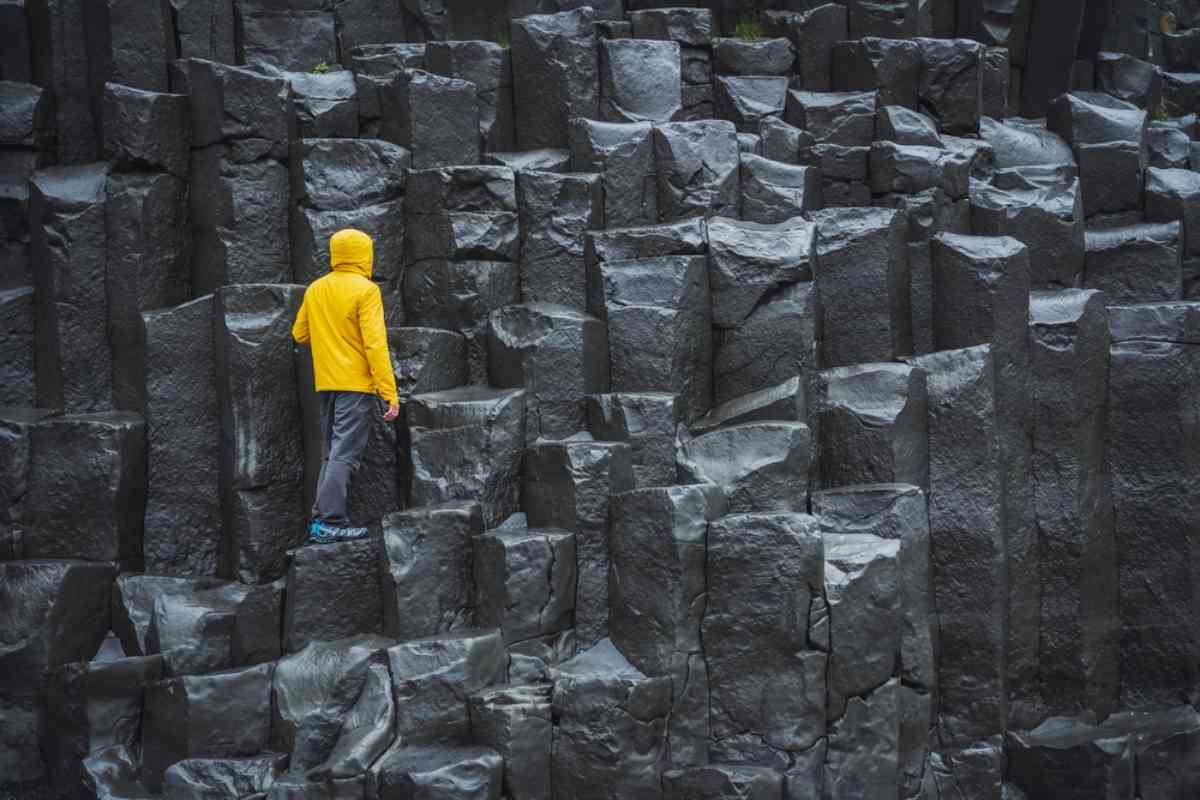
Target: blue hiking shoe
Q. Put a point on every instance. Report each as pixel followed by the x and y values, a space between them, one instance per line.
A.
pixel 316 534
pixel 333 533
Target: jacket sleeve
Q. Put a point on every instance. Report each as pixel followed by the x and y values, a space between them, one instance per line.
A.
pixel 374 337
pixel 300 326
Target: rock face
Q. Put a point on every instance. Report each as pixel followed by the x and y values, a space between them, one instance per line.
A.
pixel 797 400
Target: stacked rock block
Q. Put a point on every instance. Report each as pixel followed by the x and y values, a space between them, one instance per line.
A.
pixel 797 402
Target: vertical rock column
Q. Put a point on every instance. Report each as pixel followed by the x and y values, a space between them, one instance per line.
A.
pixel 148 240
pixel 262 450
pixel 1077 651
pixel 555 78
pixel 981 296
pixel 1155 457
pixel 657 596
pixel 68 243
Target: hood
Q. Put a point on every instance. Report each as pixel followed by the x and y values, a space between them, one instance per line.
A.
pixel 352 251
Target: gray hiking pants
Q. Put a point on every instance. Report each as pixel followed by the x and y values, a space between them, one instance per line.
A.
pixel 345 427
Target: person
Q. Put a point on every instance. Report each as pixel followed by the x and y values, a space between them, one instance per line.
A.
pixel 342 319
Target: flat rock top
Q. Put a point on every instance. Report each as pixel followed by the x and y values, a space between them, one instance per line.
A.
pixel 1176 322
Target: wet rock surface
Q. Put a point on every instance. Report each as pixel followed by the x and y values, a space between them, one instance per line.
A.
pixel 797 399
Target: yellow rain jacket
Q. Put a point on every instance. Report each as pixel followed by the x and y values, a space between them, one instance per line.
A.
pixel 342 318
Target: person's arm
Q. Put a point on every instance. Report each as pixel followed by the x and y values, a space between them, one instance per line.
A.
pixel 300 326
pixel 374 336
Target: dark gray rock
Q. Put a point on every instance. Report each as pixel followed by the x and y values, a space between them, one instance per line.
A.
pixel 1181 90
pixel 843 118
pixel 313 697
pixel 367 22
pixel 547 159
pixel 147 243
pixel 996 82
pixel 981 295
pixel 1151 363
pixel 639 80
pixel 439 773
pixel 689 26
pixel 896 18
pixel 515 721
pixel 722 783
pixel 951 84
pixel 427 359
pixel 1077 653
pixel 467 444
pixel 556 209
pixel 864 747
pixel 892 67
pixel 133 599
pixel 146 130
pixel 1170 147
pixel 659 328
pixel 1020 143
pixel 745 100
pixel 554 64
pixel 1110 175
pixel 204 29
pixel 1093 118
pixel 1065 757
pixel 602 705
pixel 525 582
pixel 225 714
pixel 87 487
pixel 1174 194
pixel 787 402
pixel 339 183
pixel 342 578
pixel 967 538
pixel 90 707
pixel 778 340
pixel 326 104
pixel 18 321
pixel 910 169
pixel 753 57
pixel 196 778
pixel 905 126
pixel 774 191
pixel 489 67
pixel 862 594
pixel 747 261
pixel 697 169
pixel 58 50
pixel 760 466
pixel 459 296
pixel 239 213
pixel 814 31
pixel 767 679
pixel 623 154
pixel 862 286
pixel 1129 79
pixel 228 102
pixel 375 68
pixel 128 43
pixel 656 596
pixel 262 452
pixel 872 425
pixel 897 511
pixel 67 238
pixel 568 486
pixel 434 677
pixel 292 40
pixel 462 213
pixel 113 774
pixel 426 570
pixel 558 355
pixel 17 62
pixel 1050 51
pixel 54 613
pixel 686 237
pixel 1164 746
pixel 647 422
pixel 435 117
pixel 1042 207
pixel 16 423
pixel 1135 264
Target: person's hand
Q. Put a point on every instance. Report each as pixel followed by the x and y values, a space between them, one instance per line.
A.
pixel 392 412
